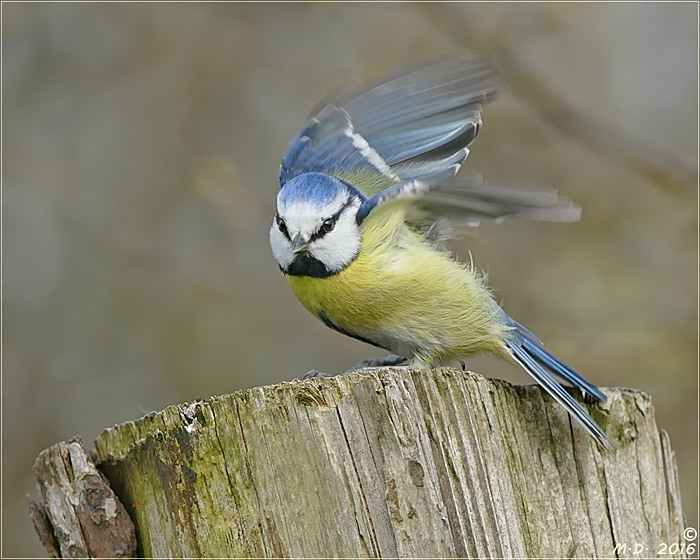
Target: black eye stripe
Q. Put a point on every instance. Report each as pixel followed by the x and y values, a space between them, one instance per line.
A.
pixel 281 225
pixel 318 234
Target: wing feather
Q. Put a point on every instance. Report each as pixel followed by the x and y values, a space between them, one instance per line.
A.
pixel 416 121
pixel 469 201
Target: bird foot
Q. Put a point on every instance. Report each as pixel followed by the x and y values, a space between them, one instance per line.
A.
pixel 369 363
pixel 315 374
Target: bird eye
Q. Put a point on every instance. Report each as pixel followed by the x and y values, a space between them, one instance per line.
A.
pixel 281 225
pixel 328 225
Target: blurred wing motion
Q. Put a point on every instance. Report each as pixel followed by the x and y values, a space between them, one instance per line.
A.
pixel 468 201
pixel 413 123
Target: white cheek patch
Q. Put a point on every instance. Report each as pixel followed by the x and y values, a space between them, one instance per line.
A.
pixel 338 248
pixel 281 248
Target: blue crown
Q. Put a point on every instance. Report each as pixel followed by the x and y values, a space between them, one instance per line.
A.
pixel 316 188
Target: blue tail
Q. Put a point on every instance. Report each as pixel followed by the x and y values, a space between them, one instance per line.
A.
pixel 556 366
pixel 528 351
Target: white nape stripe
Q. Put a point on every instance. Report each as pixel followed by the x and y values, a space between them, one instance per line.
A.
pixel 367 151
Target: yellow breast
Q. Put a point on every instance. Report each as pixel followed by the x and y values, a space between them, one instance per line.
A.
pixel 406 295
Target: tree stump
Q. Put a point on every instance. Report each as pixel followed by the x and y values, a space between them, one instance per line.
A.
pixel 396 463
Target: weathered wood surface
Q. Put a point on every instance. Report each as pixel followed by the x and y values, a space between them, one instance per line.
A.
pixel 395 464
pixel 77 515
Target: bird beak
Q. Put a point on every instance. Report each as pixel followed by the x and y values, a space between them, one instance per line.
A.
pixel 299 243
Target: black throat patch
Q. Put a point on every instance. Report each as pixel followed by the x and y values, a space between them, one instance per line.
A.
pixel 306 265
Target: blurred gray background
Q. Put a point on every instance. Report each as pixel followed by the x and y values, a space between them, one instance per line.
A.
pixel 141 145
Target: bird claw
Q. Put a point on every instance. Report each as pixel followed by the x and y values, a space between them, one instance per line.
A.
pixel 315 374
pixel 369 363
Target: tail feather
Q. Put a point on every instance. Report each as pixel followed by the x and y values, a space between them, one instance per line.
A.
pixel 537 361
pixel 566 372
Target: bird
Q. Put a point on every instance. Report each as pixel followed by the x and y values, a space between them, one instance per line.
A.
pixel 368 199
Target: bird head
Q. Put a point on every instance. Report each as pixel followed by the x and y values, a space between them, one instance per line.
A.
pixel 314 232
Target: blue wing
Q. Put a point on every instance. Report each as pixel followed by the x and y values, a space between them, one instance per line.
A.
pixel 412 123
pixel 469 201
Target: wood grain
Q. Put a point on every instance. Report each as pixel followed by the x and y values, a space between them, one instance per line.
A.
pixel 394 463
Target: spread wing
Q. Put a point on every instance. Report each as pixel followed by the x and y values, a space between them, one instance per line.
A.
pixel 415 122
pixel 469 201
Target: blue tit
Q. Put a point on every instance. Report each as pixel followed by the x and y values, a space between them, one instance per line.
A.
pixel 369 195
